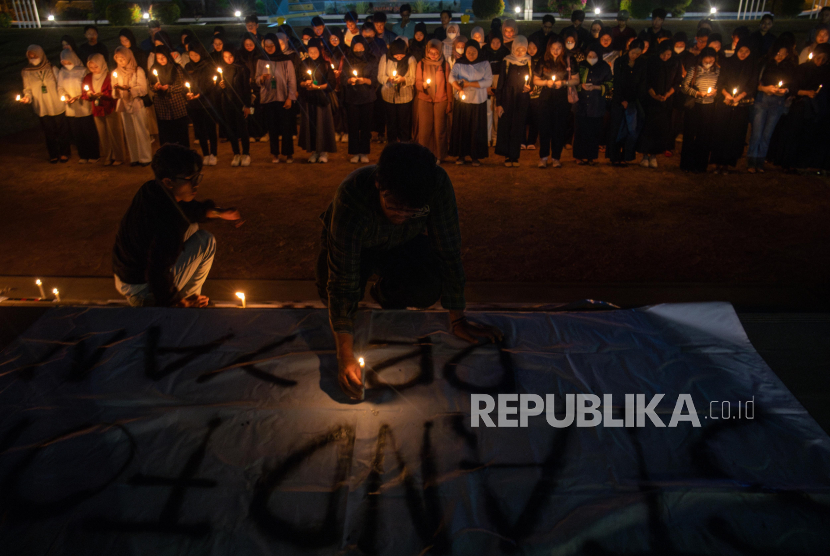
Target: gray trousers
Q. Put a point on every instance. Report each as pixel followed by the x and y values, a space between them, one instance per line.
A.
pixel 190 271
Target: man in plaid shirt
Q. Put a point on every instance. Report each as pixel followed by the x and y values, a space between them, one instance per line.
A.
pixel 398 220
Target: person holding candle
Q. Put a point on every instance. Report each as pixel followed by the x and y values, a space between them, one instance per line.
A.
pixel 78 111
pixel 396 72
pixel 359 87
pixel 556 72
pixel 432 104
pixel 235 106
pixel 470 77
pixel 277 79
pixel 336 56
pixel 40 89
pixel 249 55
pixel 596 80
pixel 512 99
pixel 161 258
pixel 97 88
pixel 536 51
pixel 699 122
pixel 170 102
pixel 736 83
pixel 317 126
pixel 398 220
pixel 662 76
pixel 777 74
pixel 822 35
pixel 453 32
pixel 129 85
pixel 627 113
pixel 494 53
pixel 201 101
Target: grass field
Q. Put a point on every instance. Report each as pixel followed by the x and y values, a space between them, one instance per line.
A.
pixel 13 44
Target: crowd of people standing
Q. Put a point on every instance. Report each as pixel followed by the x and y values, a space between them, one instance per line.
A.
pixel 595 89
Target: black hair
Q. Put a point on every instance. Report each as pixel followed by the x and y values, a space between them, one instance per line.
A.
pixel 351 16
pixel 317 21
pixel 154 24
pixel 88 27
pixel 448 12
pixel 252 19
pixel 405 8
pixel 549 19
pixel 68 39
pixel 664 34
pixel 173 160
pixel 659 12
pixel 379 17
pixel 637 43
pixel 577 15
pixel 703 32
pixel 408 172
pixel 368 26
pixel 768 16
pixel 741 32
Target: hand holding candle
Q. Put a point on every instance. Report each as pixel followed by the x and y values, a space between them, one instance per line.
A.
pixel 115 75
pixel 17 98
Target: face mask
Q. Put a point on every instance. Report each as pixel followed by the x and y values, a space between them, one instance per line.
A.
pixel 569 45
pixel 460 50
pixel 708 66
pixel 69 66
pixel 452 35
pixel 35 61
pixel 679 49
pixel 593 61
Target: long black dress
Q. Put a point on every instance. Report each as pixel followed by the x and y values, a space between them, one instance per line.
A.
pixel 510 96
pixel 732 121
pixel 661 77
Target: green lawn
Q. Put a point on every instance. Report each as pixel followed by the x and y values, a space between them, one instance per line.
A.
pixel 13 44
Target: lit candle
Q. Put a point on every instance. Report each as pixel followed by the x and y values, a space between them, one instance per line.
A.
pixel 241 296
pixel 214 79
pixel 57 295
pixel 463 96
pixel 394 73
pixel 355 73
pixel 734 91
pixel 40 287
pixel 819 88
pixel 221 74
pixel 429 81
pixel 156 73
pixel 17 98
pixel 187 84
pixel 63 98
pixel 810 56
pixel 268 67
pixel 86 87
pixel 115 75
pixel 709 91
pixel 526 78
pixel 780 84
pixel 332 66
pixel 309 72
pixel 361 361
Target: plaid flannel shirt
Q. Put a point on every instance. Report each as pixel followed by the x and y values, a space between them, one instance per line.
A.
pixel 172 103
pixel 354 223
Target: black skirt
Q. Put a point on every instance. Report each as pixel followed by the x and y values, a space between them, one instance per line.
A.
pixel 468 136
pixel 698 131
pixel 730 126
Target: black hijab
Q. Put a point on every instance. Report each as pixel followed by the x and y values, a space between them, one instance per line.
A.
pixel 465 60
pixel 138 53
pixel 167 72
pixel 249 58
pixel 740 74
pixel 418 48
pixel 278 55
pixel 662 75
pixel 199 73
pixel 358 61
pixel 319 68
pixel 398 46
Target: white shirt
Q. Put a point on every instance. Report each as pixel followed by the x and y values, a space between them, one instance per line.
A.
pixel 70 83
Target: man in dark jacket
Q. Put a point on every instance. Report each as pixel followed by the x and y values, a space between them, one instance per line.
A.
pixel 92 46
pixel 161 257
pixel 583 35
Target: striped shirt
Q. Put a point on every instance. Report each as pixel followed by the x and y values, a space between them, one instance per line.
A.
pixel 396 93
pixel 354 223
pixel 703 81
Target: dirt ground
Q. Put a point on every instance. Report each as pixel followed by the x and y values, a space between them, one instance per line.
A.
pixel 573 224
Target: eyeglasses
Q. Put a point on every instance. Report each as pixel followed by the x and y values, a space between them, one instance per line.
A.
pixel 194 180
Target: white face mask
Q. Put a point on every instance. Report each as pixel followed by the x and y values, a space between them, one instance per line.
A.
pixel 570 45
pixel 708 66
pixel 305 42
pixel 460 50
pixel 593 61
pixel 35 61
pixel 452 35
pixel 679 49
pixel 69 66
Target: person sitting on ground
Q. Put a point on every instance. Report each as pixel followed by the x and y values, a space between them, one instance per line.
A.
pixel 398 220
pixel 161 257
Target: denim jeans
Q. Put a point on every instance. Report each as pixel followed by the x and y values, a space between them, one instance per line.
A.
pixel 189 273
pixel 768 110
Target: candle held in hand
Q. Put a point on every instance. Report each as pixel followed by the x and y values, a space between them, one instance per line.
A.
pixel 86 88
pixel 780 84
pixel 394 73
pixel 214 79
pixel 63 98
pixel 187 84
pixel 810 56
pixel 734 91
pixel 17 98
pixel 709 90
pixel 361 361
pixel 429 81
pixel 115 75
pixel 355 73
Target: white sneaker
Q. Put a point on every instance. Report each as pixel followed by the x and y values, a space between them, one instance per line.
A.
pixel 246 160
pixel 212 160
pixel 206 160
pixel 364 159
pixel 313 158
pixel 83 161
pixel 252 139
pixel 652 163
pixel 289 160
pixel 531 147
pixel 543 163
pixel 644 162
pixel 344 138
pixel 324 158
pixel 275 160
pixel 337 137
pixel 264 138
pixel 555 163
pixel 236 160
pixel 355 159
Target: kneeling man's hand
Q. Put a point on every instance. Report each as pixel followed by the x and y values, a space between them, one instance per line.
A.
pixel 350 377
pixel 474 332
pixel 194 301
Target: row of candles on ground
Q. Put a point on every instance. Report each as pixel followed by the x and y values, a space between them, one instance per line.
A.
pixel 55 292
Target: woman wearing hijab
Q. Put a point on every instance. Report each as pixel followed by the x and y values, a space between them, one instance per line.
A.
pixel 185 37
pixel 536 51
pixel 512 99
pixel 494 53
pixel 336 56
pixel 78 111
pixel 163 39
pixel 822 36
pixel 317 128
pixel 554 74
pixel 418 45
pixel 129 84
pixel 396 72
pixel 201 101
pixel 777 78
pixel 218 45
pixel 509 31
pixel 699 122
pixel 596 80
pixel 458 49
pixel 235 106
pixel 495 29
pixel 736 90
pixel 453 32
pixel 97 89
pixel 662 76
pixel 626 120
pixel 571 40
pixel 359 83
pixel 248 55
pixel 277 79
pixel 40 89
pixel 477 34
pixel 167 81
pixel 433 105
pixel 606 46
pixel 801 137
pixel 128 40
pixel 470 78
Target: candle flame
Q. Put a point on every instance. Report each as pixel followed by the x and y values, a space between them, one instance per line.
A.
pixel 332 66
pixel 429 81
pixel 810 56
pixel 309 72
pixel 463 97
pixel 734 91
pixel 394 73
pixel 361 361
pixel 115 74
pixel 240 295
pixel 355 73
pixel 55 291
pixel 214 79
pixel 156 73
pixel 38 282
pixel 18 98
pixel 63 98
pixel 780 84
pixel 710 90
pixel 86 87
pixel 217 69
pixel 187 84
